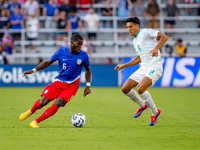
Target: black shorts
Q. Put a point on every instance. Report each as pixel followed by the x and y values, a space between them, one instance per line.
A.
pixel 172 22
pixel 31 39
pixel 90 35
pixel 198 11
pixel 122 23
pixel 16 35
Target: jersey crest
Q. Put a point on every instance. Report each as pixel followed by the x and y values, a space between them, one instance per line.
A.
pixel 79 61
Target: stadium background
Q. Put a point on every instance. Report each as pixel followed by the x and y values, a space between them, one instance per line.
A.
pixel 108 45
pixel 109 113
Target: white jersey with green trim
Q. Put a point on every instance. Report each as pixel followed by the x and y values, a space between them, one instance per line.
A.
pixel 144 42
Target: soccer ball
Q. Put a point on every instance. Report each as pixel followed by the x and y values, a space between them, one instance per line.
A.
pixel 78 120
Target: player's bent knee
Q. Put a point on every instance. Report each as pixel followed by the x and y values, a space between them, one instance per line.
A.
pixel 44 101
pixel 60 102
pixel 140 90
pixel 125 90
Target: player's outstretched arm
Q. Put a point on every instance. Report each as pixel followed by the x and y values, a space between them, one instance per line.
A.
pixel 135 61
pixel 88 75
pixel 41 66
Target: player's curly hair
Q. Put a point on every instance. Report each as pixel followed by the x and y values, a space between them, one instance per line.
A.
pixel 76 37
pixel 134 20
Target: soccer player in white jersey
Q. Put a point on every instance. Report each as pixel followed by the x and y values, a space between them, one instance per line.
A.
pixel 148 53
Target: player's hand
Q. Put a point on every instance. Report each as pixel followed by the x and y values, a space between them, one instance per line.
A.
pixel 27 72
pixel 119 67
pixel 87 91
pixel 154 52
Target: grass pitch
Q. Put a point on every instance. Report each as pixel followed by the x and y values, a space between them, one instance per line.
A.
pixel 110 123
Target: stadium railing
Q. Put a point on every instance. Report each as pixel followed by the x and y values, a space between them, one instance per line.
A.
pixel 113 42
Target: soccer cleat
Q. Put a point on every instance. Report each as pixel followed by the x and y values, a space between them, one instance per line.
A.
pixel 140 110
pixel 154 119
pixel 25 115
pixel 33 124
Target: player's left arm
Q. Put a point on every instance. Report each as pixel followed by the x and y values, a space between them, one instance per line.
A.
pixel 88 76
pixel 163 39
pixel 41 66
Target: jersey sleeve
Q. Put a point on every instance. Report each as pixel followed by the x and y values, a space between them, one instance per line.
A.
pixel 55 56
pixel 87 62
pixel 152 33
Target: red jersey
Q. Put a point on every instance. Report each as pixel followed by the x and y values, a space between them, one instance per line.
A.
pixel 85 2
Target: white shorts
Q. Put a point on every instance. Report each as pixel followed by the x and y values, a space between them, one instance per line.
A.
pixel 154 73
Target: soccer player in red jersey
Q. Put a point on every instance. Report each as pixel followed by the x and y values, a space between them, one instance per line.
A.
pixel 63 89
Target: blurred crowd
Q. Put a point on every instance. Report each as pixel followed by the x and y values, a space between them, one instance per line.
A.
pixel 72 14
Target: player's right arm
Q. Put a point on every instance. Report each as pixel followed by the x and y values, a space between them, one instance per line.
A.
pixel 135 61
pixel 41 66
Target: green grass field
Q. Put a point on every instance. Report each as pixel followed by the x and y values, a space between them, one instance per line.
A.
pixel 110 123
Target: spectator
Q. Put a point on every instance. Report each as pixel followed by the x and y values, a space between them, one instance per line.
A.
pixel 41 1
pixel 16 22
pixel 181 49
pixel 65 7
pixel 14 4
pixel 65 42
pixel 92 24
pixel 133 1
pixel 4 21
pixel 4 4
pixel 32 28
pixel 1 5
pixel 123 11
pixel 107 11
pixel 31 6
pixel 7 44
pixel 73 3
pixel 153 12
pixel 74 19
pixel 39 60
pixel 86 47
pixel 188 10
pixel 98 1
pixel 198 4
pixel 139 10
pixel 62 24
pixel 171 11
pixel 50 10
pixel 109 61
pixel 84 6
pixel 3 59
pixel 59 2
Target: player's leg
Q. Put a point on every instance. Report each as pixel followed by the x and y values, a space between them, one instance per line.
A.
pixel 142 90
pixel 37 105
pixel 151 76
pixel 60 102
pixel 127 89
pixel 49 93
pixel 63 98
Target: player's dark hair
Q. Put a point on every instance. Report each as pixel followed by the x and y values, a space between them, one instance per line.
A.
pixel 76 37
pixel 134 20
pixel 179 40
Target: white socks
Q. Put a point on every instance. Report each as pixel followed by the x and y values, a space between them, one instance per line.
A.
pixel 133 95
pixel 149 101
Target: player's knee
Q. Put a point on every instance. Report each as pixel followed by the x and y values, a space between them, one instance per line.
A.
pixel 44 101
pixel 140 90
pixel 60 102
pixel 125 90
